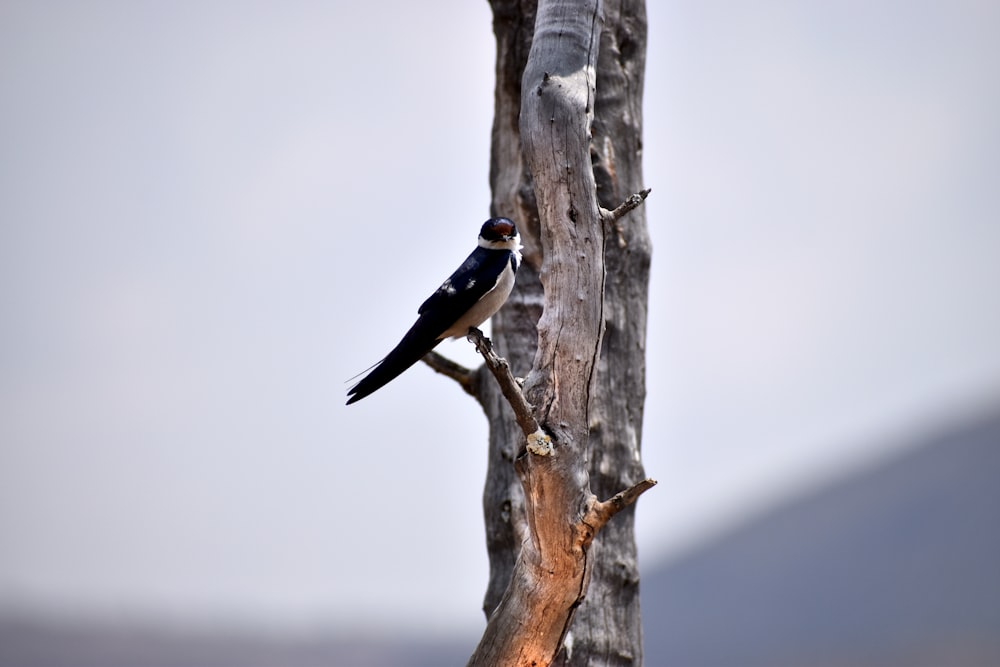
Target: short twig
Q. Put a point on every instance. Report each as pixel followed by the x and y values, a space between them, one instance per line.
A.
pixel 601 512
pixel 457 372
pixel 629 204
pixel 614 217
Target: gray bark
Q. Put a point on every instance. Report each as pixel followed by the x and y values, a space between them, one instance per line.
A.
pixel 607 629
pixel 567 146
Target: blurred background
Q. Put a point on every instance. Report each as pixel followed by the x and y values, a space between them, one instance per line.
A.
pixel 206 213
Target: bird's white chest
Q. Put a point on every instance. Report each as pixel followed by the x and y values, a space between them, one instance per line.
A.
pixel 485 307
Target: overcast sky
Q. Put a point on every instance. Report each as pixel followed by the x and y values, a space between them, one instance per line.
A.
pixel 213 214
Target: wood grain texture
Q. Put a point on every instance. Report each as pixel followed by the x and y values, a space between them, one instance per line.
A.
pixel 607 629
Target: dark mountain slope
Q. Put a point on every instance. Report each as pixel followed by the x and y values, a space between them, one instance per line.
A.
pixel 899 565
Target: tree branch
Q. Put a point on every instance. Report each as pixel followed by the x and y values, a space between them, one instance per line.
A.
pixel 465 377
pixel 613 217
pixel 538 442
pixel 599 513
pixel 625 207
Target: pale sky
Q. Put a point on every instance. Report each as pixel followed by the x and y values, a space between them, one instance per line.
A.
pixel 213 214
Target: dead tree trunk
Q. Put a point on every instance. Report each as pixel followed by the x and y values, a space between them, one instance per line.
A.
pixel 566 151
pixel 607 629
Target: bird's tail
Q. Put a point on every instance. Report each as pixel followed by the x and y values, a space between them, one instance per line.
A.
pixel 415 344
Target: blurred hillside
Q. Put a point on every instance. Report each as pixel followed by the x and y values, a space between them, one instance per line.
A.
pixel 899 565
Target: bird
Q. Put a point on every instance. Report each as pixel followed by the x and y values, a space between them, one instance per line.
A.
pixel 470 296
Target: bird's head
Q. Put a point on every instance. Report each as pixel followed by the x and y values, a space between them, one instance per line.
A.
pixel 499 234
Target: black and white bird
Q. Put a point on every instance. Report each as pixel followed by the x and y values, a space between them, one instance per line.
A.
pixel 468 298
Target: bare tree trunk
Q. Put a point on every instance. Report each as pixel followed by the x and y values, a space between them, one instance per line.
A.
pixel 575 103
pixel 607 629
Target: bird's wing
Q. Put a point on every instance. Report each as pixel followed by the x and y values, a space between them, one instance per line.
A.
pixel 469 283
pixel 478 274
